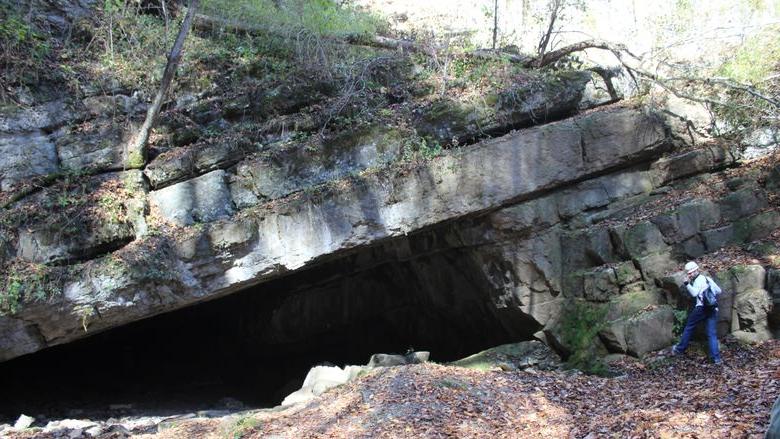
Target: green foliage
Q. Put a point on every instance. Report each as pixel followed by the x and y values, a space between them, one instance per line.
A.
pixel 25 282
pixel 680 318
pixel 420 149
pixel 242 427
pixel 22 50
pixel 756 63
pixel 755 60
pixel 580 325
pixel 130 45
pixel 319 17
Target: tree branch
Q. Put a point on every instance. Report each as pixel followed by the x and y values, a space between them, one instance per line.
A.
pixel 555 55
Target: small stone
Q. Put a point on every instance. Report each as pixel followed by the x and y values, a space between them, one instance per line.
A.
pixel 23 422
pixel 94 431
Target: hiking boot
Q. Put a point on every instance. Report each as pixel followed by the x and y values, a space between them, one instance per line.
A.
pixel 718 362
pixel 675 351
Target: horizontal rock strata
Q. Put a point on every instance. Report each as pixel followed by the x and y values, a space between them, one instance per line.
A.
pixel 159 273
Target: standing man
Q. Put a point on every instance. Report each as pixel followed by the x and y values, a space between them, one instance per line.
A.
pixel 705 291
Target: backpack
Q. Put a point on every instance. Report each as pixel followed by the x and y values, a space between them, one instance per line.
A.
pixel 708 297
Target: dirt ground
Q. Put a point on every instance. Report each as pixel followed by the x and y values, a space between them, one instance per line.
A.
pixel 660 397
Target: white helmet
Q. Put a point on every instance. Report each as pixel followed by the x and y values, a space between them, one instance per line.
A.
pixel 691 266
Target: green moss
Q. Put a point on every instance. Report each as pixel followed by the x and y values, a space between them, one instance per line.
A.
pixel 630 304
pixel 451 383
pixel 579 326
pixel 24 282
pixel 242 426
pixel 626 273
pixel 491 358
pixel 136 158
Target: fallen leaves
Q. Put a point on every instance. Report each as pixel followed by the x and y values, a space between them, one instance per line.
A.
pixel 667 397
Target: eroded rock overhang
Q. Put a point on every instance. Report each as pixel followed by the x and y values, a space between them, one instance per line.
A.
pixel 274 239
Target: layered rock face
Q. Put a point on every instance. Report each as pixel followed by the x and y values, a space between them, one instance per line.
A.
pixel 501 234
pixel 236 250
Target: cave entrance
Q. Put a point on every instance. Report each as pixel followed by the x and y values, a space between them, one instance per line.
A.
pixel 255 346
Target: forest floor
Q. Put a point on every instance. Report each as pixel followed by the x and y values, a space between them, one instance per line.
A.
pixel 659 397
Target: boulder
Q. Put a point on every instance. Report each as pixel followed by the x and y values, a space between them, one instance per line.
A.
pixel 520 355
pixel 600 284
pixel 25 155
pixel 742 278
pixel 751 310
pixel 742 203
pixel 755 335
pixel 526 103
pixel 757 226
pixel 650 331
pixel 187 162
pixel 622 309
pixel 626 273
pixel 202 199
pixel 70 428
pixel 656 265
pixel 691 163
pixel 587 248
pixel 719 237
pixel 278 172
pixel 24 421
pixel 320 379
pixel 680 224
pixel 47 117
pixel 388 360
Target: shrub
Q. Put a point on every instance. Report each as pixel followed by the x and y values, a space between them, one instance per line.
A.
pixel 680 317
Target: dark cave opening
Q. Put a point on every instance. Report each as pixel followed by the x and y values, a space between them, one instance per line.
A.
pixel 256 345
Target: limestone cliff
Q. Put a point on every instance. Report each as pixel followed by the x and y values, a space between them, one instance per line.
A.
pixel 500 210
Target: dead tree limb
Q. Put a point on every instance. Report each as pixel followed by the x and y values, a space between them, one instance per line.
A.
pixel 550 57
pixel 136 151
pixel 606 76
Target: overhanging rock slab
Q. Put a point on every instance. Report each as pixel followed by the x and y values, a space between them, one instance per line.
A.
pixel 308 228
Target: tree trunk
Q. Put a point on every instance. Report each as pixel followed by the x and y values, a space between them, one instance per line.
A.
pixel 495 23
pixel 136 151
pixel 555 7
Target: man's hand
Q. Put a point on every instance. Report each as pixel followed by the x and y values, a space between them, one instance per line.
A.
pixel 686 282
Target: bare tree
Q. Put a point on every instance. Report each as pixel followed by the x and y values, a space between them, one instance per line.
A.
pixel 136 151
pixel 556 11
pixel 555 8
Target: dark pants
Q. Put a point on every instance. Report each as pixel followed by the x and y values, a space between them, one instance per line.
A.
pixel 709 315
